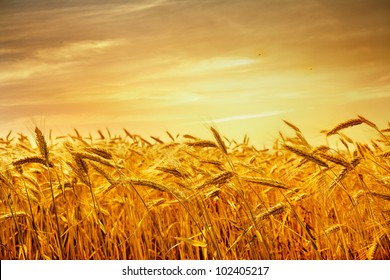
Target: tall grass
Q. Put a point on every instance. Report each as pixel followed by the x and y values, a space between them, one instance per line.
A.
pixel 127 197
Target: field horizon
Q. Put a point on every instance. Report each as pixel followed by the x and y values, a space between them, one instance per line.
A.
pixel 123 196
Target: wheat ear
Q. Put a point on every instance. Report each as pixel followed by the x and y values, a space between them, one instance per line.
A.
pixel 265 181
pixel 220 142
pixel 305 154
pixel 343 125
pixel 274 210
pixel 41 143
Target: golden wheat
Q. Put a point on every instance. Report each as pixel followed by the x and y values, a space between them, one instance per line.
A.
pixel 265 181
pixel 335 159
pixel 40 140
pixel 306 155
pixel 29 160
pixel 343 125
pixel 220 142
pixel 202 143
pixel 274 210
pixel 123 197
pixel 220 178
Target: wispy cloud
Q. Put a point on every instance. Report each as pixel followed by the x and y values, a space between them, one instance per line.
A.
pixel 253 116
pixel 213 65
pixel 47 60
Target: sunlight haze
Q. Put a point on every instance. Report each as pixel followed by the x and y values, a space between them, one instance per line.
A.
pixel 179 66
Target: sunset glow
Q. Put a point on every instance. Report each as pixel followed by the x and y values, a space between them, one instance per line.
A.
pixel 195 130
pixel 180 65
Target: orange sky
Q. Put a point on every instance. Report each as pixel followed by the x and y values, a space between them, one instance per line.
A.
pixel 151 66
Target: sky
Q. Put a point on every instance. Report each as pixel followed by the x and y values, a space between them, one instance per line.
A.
pixel 157 65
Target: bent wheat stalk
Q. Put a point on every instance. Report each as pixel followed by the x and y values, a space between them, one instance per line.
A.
pixel 343 125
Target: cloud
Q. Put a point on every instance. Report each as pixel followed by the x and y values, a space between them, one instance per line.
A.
pixel 213 65
pixel 168 59
pixel 253 116
pixel 74 50
pixel 47 60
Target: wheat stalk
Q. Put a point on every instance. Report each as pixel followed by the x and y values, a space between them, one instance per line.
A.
pixel 81 155
pixel 170 136
pixel 100 152
pixel 305 154
pixel 220 178
pixel 220 142
pixel 372 250
pixel 29 160
pixel 380 195
pixel 174 171
pixel 264 181
pixel 157 139
pixel 343 125
pixel 274 210
pixel 148 183
pixel 213 162
pixel 213 193
pixel 335 159
pixel 367 122
pixel 41 143
pixel 332 229
pixel 202 143
pixel 384 154
pixel 339 177
pixel 294 127
pixel 11 215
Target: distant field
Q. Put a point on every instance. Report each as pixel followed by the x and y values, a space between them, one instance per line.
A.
pixel 129 197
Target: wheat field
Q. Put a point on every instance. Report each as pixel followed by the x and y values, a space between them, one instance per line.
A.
pixel 118 197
